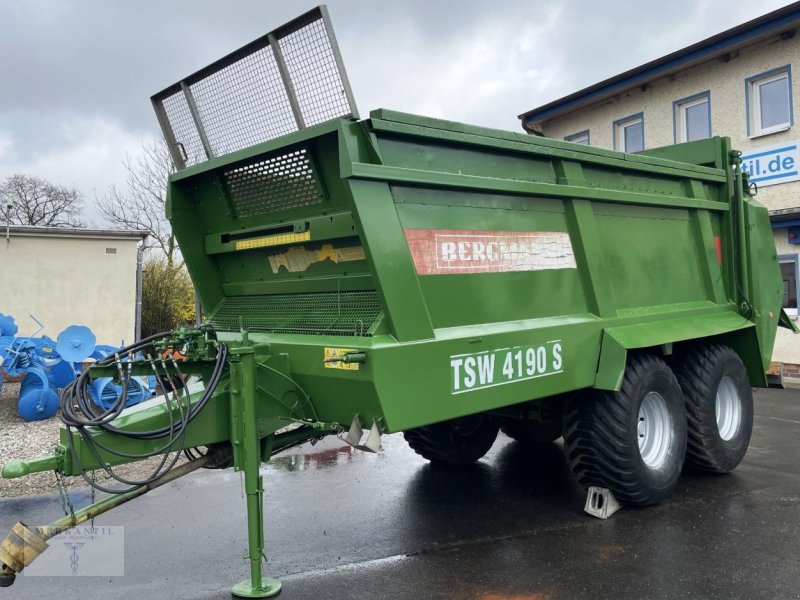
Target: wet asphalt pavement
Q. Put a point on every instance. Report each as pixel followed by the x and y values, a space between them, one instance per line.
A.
pixel 344 524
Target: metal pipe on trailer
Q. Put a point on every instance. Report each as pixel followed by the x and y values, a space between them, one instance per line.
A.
pixel 23 544
pixel 139 274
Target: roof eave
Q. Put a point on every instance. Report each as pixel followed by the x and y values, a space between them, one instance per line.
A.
pixel 718 45
pixel 35 230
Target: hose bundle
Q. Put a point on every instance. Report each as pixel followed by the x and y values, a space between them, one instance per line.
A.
pixel 78 413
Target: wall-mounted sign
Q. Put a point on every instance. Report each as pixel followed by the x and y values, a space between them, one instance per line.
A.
pixel 771 165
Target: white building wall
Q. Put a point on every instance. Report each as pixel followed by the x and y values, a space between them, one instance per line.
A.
pixel 70 280
pixel 725 80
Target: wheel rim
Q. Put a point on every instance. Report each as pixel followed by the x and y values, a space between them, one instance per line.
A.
pixel 654 430
pixel 728 408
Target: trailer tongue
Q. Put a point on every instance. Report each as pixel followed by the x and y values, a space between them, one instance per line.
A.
pixel 402 273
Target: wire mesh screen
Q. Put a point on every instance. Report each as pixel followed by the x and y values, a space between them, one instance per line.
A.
pixel 312 65
pixel 355 313
pixel 183 128
pixel 279 182
pixel 282 82
pixel 244 103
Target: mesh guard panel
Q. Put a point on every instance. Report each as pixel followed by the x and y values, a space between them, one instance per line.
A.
pixel 272 184
pixel 243 103
pixel 188 140
pixel 312 67
pixel 355 313
pixel 282 82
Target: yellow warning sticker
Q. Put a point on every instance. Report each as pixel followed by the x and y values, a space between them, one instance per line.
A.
pixel 332 353
pixel 274 240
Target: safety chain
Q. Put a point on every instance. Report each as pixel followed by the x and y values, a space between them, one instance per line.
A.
pixel 93 494
pixel 66 501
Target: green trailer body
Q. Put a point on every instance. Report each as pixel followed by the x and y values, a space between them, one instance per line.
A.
pixel 476 269
pixel 402 273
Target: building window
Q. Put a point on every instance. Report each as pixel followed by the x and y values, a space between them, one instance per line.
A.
pixel 582 137
pixel 629 133
pixel 692 118
pixel 790 273
pixel 769 101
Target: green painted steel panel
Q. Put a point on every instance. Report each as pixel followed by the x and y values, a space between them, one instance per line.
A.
pixel 645 265
pixel 468 241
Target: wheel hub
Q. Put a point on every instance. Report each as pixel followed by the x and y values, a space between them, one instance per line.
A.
pixel 728 408
pixel 654 430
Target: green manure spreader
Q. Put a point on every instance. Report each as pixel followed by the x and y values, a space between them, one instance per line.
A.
pixel 405 274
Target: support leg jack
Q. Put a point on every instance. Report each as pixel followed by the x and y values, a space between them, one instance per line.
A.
pixel 247 457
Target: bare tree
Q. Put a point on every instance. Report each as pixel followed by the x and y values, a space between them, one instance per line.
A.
pixel 35 201
pixel 141 202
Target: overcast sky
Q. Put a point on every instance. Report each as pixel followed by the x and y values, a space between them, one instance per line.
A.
pixel 76 75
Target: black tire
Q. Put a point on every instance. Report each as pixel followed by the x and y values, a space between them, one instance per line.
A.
pixel 601 434
pixel 532 432
pixel 704 372
pixel 458 442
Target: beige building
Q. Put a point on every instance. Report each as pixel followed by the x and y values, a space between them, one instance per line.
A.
pixel 741 83
pixel 67 276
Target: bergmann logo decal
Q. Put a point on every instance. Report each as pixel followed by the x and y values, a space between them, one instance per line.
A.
pixel 459 251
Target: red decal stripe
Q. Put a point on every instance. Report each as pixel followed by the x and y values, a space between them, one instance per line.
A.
pixel 718 247
pixel 459 251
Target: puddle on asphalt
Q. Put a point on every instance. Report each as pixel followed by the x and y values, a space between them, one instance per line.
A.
pixel 320 459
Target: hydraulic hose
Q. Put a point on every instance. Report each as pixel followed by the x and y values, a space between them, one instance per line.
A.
pixel 78 412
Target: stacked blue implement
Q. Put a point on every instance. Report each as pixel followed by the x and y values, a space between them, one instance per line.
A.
pixel 49 366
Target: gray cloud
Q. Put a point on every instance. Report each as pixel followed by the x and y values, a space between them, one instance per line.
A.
pixel 76 75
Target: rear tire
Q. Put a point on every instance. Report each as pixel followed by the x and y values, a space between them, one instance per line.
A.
pixel 719 407
pixel 458 442
pixel 633 441
pixel 532 432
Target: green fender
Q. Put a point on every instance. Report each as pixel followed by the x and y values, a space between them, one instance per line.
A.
pixel 726 327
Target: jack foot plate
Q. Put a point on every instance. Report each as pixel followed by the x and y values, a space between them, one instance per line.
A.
pixel 269 587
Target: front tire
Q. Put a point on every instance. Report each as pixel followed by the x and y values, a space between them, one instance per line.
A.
pixel 719 407
pixel 457 442
pixel 633 441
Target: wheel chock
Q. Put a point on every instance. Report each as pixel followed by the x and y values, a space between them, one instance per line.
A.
pixel 354 435
pixel 601 503
pixel 373 443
